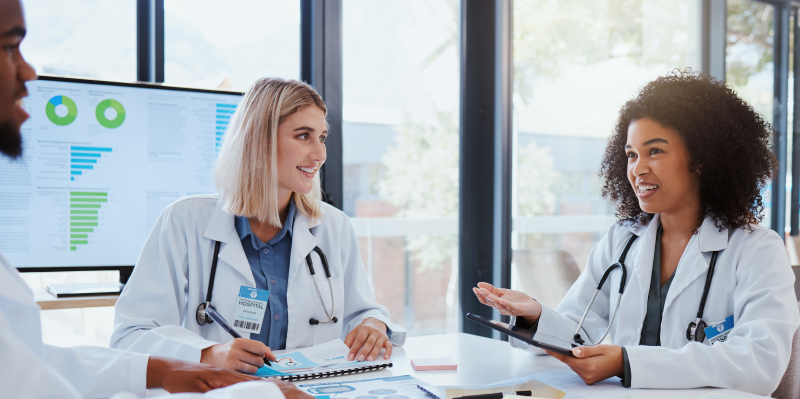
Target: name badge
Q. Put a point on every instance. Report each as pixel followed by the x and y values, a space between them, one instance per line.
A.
pixel 250 308
pixel 719 332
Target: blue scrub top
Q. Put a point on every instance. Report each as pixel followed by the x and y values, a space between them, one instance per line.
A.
pixel 270 265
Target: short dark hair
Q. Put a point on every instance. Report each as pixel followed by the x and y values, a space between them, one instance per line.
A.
pixel 728 142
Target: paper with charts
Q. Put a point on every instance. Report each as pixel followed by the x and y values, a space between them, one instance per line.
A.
pixel 397 387
pixel 327 357
pixel 538 390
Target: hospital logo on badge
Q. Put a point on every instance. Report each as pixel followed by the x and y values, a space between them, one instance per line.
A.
pixel 253 294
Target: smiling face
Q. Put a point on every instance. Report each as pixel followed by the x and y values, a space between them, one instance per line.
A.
pixel 659 168
pixel 301 150
pixel 14 72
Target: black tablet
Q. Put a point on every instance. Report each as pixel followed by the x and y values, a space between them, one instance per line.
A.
pixel 523 334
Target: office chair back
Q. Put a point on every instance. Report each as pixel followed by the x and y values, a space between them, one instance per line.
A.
pixel 790 383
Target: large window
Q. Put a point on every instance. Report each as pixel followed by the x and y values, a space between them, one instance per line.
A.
pixel 91 38
pixel 214 44
pixel 749 67
pixel 207 44
pixel 88 38
pixel 401 101
pixel 576 63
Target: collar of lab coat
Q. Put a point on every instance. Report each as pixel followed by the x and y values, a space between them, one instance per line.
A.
pixel 693 263
pixel 222 228
pixel 708 235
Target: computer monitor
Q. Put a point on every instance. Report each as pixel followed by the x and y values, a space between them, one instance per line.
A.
pixel 101 160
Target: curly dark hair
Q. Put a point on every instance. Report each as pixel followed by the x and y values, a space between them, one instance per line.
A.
pixel 728 142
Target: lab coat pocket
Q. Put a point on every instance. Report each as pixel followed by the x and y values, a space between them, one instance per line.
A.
pixel 333 302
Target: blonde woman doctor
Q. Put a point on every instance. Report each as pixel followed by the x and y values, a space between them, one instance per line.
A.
pixel 685 168
pixel 270 224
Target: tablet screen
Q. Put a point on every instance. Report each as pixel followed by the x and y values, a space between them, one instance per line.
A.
pixel 524 334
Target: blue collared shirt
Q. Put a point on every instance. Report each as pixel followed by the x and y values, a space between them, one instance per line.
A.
pixel 270 265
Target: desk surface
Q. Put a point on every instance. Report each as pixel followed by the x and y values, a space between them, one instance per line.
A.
pixel 483 361
pixel 48 301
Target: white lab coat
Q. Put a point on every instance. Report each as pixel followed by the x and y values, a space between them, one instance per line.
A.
pixel 31 369
pixel 753 281
pixel 156 312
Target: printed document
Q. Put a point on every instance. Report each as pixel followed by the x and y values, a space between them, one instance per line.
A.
pixel 329 356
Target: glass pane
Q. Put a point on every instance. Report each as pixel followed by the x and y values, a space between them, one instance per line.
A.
pixel 91 38
pixel 748 63
pixel 576 63
pixel 86 38
pixel 401 101
pixel 212 44
pixel 74 327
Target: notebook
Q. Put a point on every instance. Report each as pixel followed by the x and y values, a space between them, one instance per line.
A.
pixel 319 361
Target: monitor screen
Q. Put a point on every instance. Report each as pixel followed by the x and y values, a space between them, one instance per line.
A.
pixel 100 162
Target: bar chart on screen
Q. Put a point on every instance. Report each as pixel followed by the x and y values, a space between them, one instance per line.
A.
pixel 85 159
pixel 224 114
pixel 100 164
pixel 84 215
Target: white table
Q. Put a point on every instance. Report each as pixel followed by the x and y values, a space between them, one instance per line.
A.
pixel 483 361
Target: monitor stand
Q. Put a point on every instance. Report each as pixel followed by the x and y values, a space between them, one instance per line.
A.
pixel 85 289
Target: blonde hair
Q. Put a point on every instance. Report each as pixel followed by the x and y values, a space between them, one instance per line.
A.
pixel 246 171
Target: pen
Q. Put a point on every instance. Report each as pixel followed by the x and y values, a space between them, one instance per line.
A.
pixel 224 324
pixel 428 393
pixel 495 395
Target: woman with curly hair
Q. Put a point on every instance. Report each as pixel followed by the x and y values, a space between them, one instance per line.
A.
pixel 685 167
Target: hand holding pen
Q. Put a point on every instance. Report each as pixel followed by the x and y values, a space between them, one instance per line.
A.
pixel 241 354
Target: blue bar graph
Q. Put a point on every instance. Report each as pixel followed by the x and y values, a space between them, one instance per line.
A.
pixel 85 159
pixel 224 114
pixel 101 149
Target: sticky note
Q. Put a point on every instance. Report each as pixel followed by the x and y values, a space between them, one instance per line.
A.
pixel 442 363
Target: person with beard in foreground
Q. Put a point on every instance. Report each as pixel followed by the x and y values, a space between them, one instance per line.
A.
pixel 32 369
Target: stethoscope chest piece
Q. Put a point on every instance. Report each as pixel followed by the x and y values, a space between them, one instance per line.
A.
pixel 202 316
pixel 696 331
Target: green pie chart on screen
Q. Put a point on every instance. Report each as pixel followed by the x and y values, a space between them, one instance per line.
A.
pixel 50 110
pixel 100 113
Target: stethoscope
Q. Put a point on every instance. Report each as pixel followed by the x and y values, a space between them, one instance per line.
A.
pixel 696 329
pixel 203 318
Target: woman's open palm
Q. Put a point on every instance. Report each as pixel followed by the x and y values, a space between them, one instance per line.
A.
pixel 508 302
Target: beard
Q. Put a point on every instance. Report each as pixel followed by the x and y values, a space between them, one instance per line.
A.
pixel 10 140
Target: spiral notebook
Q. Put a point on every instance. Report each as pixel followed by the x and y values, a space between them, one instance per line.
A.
pixel 320 361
